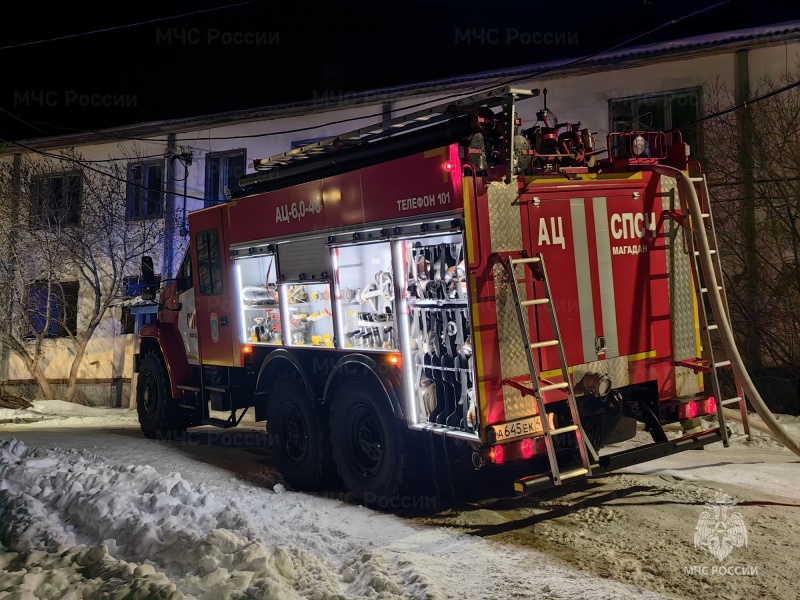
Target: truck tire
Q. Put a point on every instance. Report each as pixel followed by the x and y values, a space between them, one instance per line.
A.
pixel 370 446
pixel 298 436
pixel 158 412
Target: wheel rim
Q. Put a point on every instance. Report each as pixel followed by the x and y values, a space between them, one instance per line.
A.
pixel 295 433
pixel 150 395
pixel 366 441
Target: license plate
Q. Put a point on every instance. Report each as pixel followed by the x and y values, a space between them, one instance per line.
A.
pixel 532 426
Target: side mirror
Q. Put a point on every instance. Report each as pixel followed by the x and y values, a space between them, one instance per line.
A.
pixel 148 274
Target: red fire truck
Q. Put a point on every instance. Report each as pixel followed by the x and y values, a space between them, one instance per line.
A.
pixel 446 273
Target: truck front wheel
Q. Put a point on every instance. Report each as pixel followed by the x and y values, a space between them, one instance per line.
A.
pixel 298 436
pixel 157 411
pixel 369 445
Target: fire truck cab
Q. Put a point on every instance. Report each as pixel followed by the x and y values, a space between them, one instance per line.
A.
pixel 445 273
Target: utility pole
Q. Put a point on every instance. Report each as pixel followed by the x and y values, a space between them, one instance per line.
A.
pixel 751 278
pixel 169 209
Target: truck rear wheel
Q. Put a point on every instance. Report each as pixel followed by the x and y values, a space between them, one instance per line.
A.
pixel 301 448
pixel 158 416
pixel 369 445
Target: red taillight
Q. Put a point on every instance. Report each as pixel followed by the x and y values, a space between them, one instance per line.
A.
pixel 527 448
pixel 450 166
pixel 697 408
pixel 496 455
pixel 687 411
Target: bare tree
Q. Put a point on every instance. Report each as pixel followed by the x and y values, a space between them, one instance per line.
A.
pixel 32 259
pixel 753 158
pixel 98 243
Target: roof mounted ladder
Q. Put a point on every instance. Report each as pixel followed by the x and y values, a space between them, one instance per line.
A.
pixel 271 168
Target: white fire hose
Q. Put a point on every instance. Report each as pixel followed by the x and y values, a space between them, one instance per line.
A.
pixel 720 314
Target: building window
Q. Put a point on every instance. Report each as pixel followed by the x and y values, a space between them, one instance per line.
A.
pixel 209 263
pixel 127 321
pixel 133 287
pixel 56 200
pixel 660 112
pixel 53 309
pixel 223 171
pixel 145 190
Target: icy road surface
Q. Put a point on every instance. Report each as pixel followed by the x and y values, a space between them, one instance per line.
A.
pixel 91 512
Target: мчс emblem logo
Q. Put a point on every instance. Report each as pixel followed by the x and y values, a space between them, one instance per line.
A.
pixel 214 327
pixel 719 529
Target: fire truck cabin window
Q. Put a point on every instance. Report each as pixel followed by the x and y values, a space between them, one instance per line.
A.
pixel 184 279
pixel 365 296
pixel 260 306
pixel 209 263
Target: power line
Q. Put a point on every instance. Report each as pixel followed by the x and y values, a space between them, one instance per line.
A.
pixel 116 27
pixel 103 173
pixel 300 129
pixel 744 104
pixel 501 81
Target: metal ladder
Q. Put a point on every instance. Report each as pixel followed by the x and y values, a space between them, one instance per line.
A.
pixel 535 267
pixel 708 363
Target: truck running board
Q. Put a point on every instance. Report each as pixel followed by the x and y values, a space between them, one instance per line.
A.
pixel 620 460
pixel 231 421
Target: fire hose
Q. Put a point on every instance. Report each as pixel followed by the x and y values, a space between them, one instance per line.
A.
pixel 720 313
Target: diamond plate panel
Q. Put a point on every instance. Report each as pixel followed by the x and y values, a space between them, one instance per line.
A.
pixel 504 218
pixel 506 236
pixel 681 294
pixel 616 368
pixel 513 359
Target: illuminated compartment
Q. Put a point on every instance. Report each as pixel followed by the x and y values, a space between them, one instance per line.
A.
pixel 365 296
pixel 439 331
pixel 308 314
pixel 259 302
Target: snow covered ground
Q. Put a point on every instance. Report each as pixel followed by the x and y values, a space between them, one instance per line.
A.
pixel 91 509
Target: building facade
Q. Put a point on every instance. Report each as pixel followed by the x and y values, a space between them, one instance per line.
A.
pixel 174 167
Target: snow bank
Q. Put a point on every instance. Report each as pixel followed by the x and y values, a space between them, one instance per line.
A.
pixel 72 526
pixel 68 414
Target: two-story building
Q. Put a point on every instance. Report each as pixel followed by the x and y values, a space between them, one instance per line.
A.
pixel 181 165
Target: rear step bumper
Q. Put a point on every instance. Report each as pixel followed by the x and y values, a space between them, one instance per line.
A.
pixel 622 459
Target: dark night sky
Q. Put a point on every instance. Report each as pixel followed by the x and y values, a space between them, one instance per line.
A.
pixel 183 67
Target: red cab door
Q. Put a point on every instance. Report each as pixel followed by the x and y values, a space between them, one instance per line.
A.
pixel 216 314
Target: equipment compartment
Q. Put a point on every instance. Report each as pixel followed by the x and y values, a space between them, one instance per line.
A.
pixel 259 303
pixel 365 296
pixel 440 331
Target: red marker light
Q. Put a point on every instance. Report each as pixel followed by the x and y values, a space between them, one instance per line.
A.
pixel 496 455
pixel 687 411
pixel 450 166
pixel 711 405
pixel 527 448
